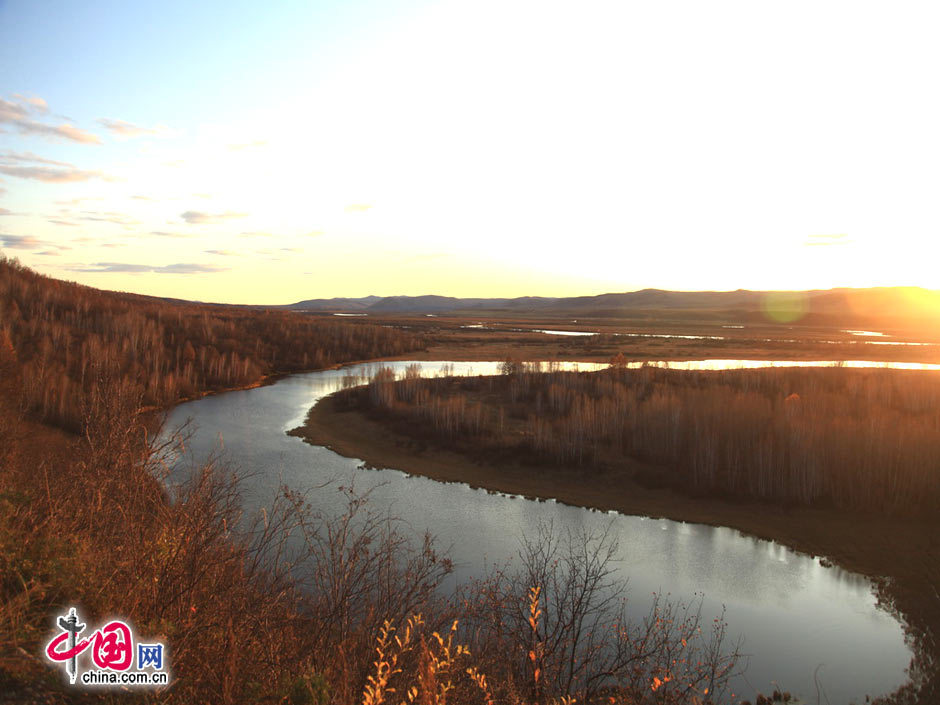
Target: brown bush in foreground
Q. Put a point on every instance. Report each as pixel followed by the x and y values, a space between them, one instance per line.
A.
pixel 557 627
pixel 286 606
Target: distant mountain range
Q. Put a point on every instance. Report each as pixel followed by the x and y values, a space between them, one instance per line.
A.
pixel 872 303
pixel 422 304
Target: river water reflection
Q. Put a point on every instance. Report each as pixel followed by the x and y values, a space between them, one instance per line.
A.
pixel 793 614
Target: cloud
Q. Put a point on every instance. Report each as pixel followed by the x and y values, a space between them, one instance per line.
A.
pixel 200 218
pixel 108 217
pixel 190 269
pixel 128 268
pixel 20 113
pixel 76 201
pixel 164 233
pixel 51 253
pixel 113 267
pixel 52 175
pixel 28 242
pixel 142 198
pixel 315 233
pixel 822 240
pixel 21 242
pixel 5 211
pixel 357 208
pixel 127 129
pixel 29 158
pixel 35 102
pixel 27 165
pixel 275 255
pixel 254 233
pixel 66 131
pixel 223 253
pixel 57 221
pixel 11 112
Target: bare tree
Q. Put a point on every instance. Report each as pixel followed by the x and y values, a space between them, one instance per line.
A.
pixel 557 627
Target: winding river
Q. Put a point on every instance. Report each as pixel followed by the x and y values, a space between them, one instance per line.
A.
pixel 795 616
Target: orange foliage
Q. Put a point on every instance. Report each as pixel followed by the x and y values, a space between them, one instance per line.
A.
pixel 64 335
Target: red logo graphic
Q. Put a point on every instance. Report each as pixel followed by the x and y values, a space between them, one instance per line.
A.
pixel 111 648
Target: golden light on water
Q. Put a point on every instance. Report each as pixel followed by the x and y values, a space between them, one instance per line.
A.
pixel 618 149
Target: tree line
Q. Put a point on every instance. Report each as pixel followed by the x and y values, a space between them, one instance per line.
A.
pixel 852 438
pixel 62 335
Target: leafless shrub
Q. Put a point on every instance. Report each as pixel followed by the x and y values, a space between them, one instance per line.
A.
pixel 557 627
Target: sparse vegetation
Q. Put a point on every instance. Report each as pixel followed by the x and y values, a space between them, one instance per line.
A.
pixel 887 530
pixel 855 439
pixel 283 607
pixel 306 596
pixel 314 609
pixel 62 335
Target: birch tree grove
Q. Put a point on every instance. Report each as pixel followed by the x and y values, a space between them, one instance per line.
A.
pixel 62 334
pixel 853 438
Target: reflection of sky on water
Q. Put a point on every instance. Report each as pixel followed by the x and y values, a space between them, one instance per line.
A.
pixel 678 336
pixel 865 333
pixel 793 613
pixel 760 364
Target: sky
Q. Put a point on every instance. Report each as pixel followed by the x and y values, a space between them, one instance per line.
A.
pixel 266 153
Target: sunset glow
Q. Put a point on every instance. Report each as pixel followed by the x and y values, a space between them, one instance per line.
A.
pixel 243 153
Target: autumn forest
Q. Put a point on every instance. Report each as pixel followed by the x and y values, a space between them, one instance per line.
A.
pixel 294 605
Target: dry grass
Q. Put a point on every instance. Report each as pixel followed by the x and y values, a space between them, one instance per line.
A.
pixel 290 606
